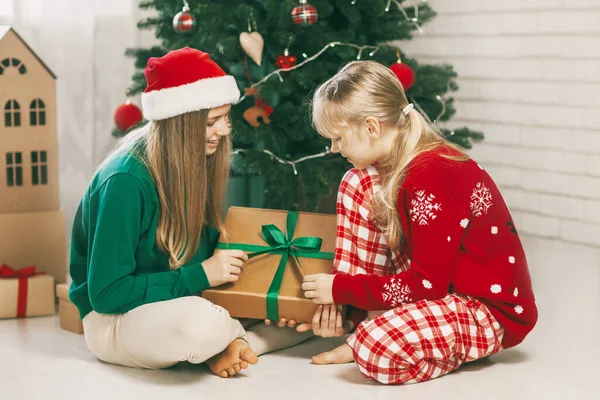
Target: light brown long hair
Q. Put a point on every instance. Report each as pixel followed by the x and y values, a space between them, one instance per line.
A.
pixel 191 186
pixel 367 88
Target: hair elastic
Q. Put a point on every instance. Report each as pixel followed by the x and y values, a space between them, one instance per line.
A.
pixel 408 108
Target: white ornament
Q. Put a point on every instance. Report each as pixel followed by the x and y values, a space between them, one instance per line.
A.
pixel 496 288
pixel 253 44
pixel 448 238
pixel 464 222
pixel 516 292
pixel 427 284
pixel 519 309
pixel 494 230
pixel 423 208
pixel 395 293
pixel 511 259
pixel 481 200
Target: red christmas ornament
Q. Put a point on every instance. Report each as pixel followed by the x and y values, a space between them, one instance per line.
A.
pixel 127 116
pixel 286 61
pixel 304 14
pixel 184 21
pixel 404 73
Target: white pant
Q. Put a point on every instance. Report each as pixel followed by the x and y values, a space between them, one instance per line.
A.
pixel 159 335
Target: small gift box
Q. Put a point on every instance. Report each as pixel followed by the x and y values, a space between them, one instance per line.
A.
pixel 25 293
pixel 69 315
pixel 270 284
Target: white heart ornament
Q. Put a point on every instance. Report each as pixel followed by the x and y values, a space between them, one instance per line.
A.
pixel 253 44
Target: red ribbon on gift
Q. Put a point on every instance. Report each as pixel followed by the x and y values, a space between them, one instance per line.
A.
pixel 22 275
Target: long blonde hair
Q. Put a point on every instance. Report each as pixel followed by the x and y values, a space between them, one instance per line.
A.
pixel 191 187
pixel 367 88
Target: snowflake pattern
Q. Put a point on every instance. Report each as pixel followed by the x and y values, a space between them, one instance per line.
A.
pixel 496 288
pixel 424 208
pixel 516 292
pixel 427 284
pixel 481 200
pixel 464 222
pixel 396 293
pixel 519 309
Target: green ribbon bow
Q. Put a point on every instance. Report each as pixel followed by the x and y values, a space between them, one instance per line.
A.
pixel 307 246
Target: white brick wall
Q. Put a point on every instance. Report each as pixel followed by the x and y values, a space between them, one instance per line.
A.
pixel 529 73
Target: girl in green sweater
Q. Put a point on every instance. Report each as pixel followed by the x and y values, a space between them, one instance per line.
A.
pixel 145 232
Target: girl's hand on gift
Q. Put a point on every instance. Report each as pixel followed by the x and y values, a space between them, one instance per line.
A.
pixel 319 288
pixel 224 266
pixel 282 322
pixel 328 321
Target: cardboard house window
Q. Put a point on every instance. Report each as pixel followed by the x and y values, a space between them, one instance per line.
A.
pixel 37 113
pixel 14 169
pixel 12 113
pixel 39 168
pixel 12 62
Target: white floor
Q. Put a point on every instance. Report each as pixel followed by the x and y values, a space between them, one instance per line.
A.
pixel 559 360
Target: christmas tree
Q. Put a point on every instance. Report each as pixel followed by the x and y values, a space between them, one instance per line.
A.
pixel 303 45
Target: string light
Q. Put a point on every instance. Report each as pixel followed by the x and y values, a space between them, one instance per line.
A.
pixel 424 114
pixel 414 20
pixel 309 59
pixel 314 57
pixel 441 114
pixel 403 11
pixel 278 73
pixel 442 100
pixel 286 162
pixel 328 151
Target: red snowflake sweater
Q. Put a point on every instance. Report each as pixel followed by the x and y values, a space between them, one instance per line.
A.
pixel 460 238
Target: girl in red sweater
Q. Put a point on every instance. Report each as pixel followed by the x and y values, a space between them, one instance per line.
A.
pixel 425 242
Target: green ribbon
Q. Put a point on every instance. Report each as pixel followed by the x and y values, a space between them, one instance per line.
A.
pixel 307 246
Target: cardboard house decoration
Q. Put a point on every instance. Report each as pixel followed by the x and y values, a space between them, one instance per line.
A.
pixel 32 226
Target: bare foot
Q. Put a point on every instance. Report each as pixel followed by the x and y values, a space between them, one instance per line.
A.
pixel 340 355
pixel 236 357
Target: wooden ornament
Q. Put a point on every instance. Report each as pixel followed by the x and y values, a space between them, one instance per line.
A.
pixel 260 109
pixel 253 43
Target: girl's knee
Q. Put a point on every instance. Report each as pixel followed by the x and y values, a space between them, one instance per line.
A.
pixel 364 349
pixel 204 321
pixel 372 366
pixel 386 357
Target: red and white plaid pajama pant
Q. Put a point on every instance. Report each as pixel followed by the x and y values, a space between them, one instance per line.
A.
pixel 415 342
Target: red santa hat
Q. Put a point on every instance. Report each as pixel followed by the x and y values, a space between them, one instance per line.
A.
pixel 185 80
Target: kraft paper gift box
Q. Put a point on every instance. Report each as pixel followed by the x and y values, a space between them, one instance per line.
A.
pixel 283 247
pixel 25 293
pixel 69 315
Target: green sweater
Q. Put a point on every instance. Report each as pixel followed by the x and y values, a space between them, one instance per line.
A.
pixel 115 262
